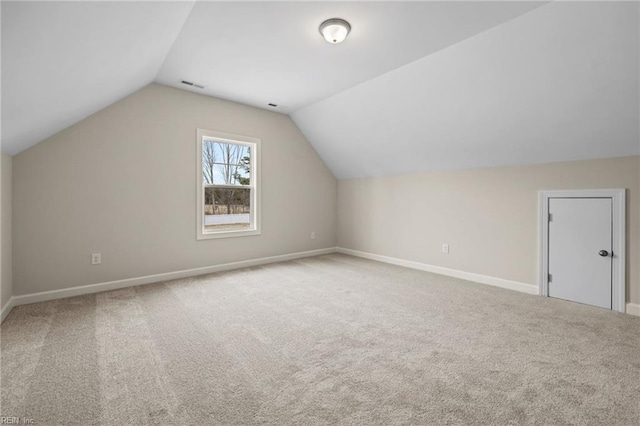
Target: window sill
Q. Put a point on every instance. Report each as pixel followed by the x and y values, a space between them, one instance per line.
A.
pixel 227 234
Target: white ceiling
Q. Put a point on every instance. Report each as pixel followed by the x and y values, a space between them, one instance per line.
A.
pixel 272 52
pixel 417 86
pixel 63 61
pixel 560 83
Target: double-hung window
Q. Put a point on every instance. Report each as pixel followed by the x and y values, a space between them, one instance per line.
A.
pixel 227 174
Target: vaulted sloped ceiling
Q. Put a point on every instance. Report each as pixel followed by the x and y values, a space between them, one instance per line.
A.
pixel 62 61
pixel 272 52
pixel 560 83
pixel 417 86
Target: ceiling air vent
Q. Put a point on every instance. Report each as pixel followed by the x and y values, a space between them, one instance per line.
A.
pixel 189 83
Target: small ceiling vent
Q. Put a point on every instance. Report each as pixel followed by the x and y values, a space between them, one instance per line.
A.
pixel 189 83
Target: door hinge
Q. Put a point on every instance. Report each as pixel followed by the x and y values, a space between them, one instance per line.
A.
pixel 550 217
pixel 550 278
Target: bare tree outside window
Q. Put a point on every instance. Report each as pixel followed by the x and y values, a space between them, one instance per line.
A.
pixel 226 172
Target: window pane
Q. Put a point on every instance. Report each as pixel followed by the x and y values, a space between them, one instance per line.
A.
pixel 225 163
pixel 226 209
pixel 230 174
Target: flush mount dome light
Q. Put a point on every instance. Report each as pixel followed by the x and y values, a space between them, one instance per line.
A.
pixel 335 30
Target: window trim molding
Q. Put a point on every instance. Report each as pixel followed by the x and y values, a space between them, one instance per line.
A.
pixel 255 176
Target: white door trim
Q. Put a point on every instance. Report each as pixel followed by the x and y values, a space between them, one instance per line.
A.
pixel 618 246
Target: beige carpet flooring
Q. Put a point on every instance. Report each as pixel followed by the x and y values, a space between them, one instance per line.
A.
pixel 326 340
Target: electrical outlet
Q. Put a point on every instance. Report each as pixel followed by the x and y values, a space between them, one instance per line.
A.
pixel 445 248
pixel 313 235
pixel 96 258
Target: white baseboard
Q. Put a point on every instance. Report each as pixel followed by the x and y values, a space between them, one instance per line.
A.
pixel 633 309
pixel 7 308
pixel 482 279
pixel 26 299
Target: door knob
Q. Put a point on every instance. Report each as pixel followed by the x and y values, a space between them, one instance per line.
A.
pixel 603 253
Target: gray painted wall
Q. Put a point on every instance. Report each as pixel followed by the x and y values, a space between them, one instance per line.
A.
pixel 123 183
pixel 489 217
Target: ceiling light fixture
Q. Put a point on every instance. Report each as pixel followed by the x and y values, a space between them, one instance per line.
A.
pixel 335 30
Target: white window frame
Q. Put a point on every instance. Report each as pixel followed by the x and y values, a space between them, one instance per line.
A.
pixel 254 144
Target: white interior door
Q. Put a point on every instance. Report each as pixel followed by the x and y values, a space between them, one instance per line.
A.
pixel 580 250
